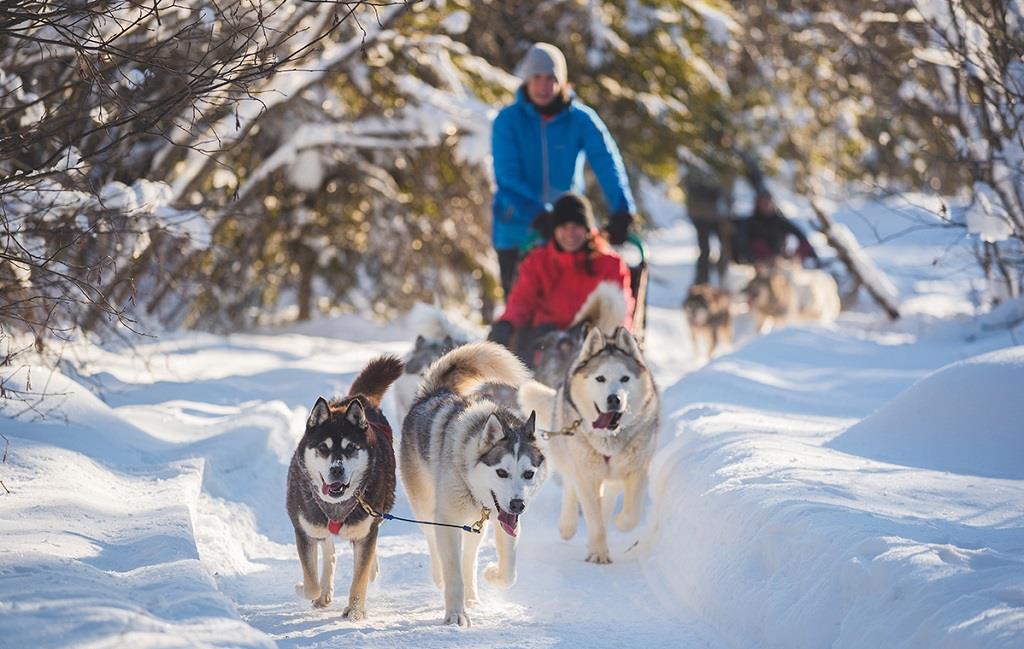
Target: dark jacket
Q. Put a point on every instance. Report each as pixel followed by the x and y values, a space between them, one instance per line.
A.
pixel 762 237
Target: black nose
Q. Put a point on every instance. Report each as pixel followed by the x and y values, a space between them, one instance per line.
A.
pixel 516 506
pixel 614 403
pixel 337 473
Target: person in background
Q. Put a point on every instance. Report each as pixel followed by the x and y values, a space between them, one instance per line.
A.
pixel 555 279
pixel 709 206
pixel 539 144
pixel 765 235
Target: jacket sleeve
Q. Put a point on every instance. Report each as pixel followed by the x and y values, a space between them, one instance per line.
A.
pixel 604 158
pixel 788 227
pixel 508 169
pixel 526 292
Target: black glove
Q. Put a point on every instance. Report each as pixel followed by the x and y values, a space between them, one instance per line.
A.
pixel 618 227
pixel 501 332
pixel 542 224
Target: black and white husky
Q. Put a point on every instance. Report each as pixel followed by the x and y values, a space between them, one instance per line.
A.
pixel 345 454
pixel 604 420
pixel 462 455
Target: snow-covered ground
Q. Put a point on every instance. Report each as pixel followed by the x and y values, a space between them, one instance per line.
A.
pixel 851 485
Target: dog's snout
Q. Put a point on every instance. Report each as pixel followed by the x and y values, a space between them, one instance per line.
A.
pixel 516 506
pixel 614 402
pixel 337 472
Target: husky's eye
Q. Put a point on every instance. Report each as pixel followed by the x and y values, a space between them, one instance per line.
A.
pixel 502 473
pixel 528 475
pixel 324 448
pixel 624 379
pixel 600 379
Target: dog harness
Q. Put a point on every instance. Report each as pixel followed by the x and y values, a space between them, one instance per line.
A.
pixel 380 424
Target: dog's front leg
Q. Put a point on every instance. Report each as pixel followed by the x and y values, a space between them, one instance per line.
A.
pixel 588 490
pixel 326 574
pixel 470 548
pixel 309 588
pixel 569 518
pixel 632 501
pixel 449 548
pixel 503 573
pixel 364 560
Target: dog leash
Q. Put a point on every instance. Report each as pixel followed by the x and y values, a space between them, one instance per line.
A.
pixel 568 431
pixel 475 528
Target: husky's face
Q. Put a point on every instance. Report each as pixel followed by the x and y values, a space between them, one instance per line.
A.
pixel 336 449
pixel 508 469
pixel 425 352
pixel 695 306
pixel 554 353
pixel 606 380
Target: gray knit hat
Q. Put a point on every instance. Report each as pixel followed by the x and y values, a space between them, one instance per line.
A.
pixel 544 59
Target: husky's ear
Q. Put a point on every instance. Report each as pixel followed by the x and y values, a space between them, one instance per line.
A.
pixel 320 413
pixel 493 433
pixel 448 344
pixel 627 343
pixel 594 343
pixel 356 415
pixel 530 427
pixel 420 341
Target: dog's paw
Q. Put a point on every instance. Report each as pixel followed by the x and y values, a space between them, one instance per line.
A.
pixel 324 600
pixel 457 617
pixel 624 521
pixel 354 613
pixel 307 591
pixel 601 557
pixel 567 527
pixel 494 575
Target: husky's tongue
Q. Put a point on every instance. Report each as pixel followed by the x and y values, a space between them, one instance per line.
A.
pixel 608 419
pixel 327 488
pixel 509 522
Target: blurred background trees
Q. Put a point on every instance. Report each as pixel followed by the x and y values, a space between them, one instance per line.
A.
pixel 186 163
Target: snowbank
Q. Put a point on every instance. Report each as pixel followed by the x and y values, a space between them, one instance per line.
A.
pixel 966 418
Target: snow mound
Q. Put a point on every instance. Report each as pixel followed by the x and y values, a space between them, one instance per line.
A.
pixel 964 418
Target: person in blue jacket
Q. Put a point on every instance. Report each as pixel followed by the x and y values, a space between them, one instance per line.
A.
pixel 539 144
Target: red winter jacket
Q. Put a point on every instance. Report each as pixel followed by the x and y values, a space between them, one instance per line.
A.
pixel 553 284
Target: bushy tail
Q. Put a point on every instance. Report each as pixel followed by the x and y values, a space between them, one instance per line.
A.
pixel 465 368
pixel 540 399
pixel 376 378
pixel 605 308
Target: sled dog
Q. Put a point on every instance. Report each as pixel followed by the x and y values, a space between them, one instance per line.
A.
pixel 464 457
pixel 345 455
pixel 424 352
pixel 707 312
pixel 604 424
pixel 786 292
pixel 604 308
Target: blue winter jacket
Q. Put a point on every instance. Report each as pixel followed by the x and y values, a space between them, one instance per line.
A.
pixel 536 160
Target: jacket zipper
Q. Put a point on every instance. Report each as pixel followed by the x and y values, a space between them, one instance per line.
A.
pixel 544 160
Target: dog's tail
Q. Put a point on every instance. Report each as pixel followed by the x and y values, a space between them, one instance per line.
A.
pixel 465 368
pixel 541 399
pixel 376 378
pixel 604 308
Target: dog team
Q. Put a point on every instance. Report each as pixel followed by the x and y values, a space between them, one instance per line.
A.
pixel 466 459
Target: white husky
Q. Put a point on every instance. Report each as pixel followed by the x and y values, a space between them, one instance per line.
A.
pixel 463 456
pixel 604 423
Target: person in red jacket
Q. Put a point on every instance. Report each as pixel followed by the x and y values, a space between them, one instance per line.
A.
pixel 556 278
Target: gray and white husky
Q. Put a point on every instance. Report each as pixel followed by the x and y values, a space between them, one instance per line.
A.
pixel 604 423
pixel 346 453
pixel 462 454
pixel 424 352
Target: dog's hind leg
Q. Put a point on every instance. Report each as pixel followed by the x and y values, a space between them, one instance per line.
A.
pixel 570 516
pixel 470 547
pixel 364 556
pixel 326 574
pixel 633 501
pixel 309 588
pixel 503 573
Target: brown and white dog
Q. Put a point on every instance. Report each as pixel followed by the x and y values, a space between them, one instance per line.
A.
pixel 708 313
pixel 786 292
pixel 346 454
